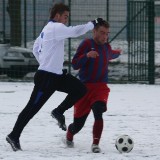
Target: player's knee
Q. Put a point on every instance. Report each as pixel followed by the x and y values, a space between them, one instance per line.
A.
pixel 78 124
pixel 74 128
pixel 98 108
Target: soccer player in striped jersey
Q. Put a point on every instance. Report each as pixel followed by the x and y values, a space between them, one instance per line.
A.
pixel 92 59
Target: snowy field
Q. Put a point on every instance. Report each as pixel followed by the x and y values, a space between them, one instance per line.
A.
pixel 133 109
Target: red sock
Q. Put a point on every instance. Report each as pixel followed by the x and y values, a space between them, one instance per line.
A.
pixel 97 131
pixel 69 135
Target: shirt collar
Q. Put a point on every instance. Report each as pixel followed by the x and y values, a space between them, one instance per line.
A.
pixel 52 20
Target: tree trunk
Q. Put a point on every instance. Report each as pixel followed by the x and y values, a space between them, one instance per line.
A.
pixel 14 10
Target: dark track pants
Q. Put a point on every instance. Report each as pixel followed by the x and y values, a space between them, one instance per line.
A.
pixel 46 84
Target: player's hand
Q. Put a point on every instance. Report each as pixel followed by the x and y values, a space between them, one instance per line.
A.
pixel 92 54
pixel 97 21
pixel 118 50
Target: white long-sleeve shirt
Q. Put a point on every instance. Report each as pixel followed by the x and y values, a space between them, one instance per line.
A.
pixel 49 46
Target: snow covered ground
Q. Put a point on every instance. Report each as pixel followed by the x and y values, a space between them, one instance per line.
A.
pixel 133 109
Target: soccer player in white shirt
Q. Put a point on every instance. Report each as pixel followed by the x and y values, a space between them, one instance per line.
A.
pixel 49 52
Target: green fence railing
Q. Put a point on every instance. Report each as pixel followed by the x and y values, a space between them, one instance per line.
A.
pixel 135 28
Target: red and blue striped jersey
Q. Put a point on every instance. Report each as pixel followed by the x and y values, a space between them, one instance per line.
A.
pixel 93 70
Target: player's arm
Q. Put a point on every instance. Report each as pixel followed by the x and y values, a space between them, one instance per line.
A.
pixel 80 58
pixel 36 49
pixel 113 54
pixel 63 32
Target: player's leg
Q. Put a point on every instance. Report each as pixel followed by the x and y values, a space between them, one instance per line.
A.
pixel 75 90
pixel 41 92
pixel 74 128
pixel 29 111
pixel 98 108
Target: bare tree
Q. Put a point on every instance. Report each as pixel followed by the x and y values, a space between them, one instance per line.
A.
pixel 14 10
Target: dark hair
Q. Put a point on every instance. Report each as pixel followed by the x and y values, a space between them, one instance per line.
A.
pixel 58 8
pixel 103 23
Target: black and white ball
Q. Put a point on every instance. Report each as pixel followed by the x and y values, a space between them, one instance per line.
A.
pixel 124 144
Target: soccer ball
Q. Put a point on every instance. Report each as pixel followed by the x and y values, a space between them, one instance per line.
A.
pixel 124 144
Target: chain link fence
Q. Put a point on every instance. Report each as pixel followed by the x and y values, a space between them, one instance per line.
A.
pixel 22 27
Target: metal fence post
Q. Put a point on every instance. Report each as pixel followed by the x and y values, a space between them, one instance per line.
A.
pixel 69 41
pixel 151 42
pixel 4 20
pixel 34 19
pixel 25 23
pixel 107 10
